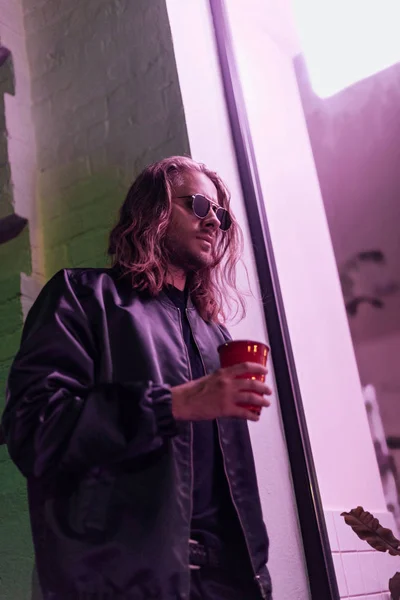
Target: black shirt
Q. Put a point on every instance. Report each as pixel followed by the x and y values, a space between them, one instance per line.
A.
pixel 214 518
pixel 206 470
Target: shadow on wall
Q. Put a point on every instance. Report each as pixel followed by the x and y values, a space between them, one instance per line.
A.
pixel 362 285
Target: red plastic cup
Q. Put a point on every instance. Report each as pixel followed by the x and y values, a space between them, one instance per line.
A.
pixel 239 351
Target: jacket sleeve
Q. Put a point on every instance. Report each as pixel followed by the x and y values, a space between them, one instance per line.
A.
pixel 57 417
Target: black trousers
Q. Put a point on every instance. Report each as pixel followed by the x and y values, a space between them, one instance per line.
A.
pixel 216 584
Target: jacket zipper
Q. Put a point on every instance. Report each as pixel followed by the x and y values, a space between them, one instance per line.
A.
pixel 256 577
pixel 191 428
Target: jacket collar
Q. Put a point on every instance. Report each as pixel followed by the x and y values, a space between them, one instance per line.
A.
pixel 165 300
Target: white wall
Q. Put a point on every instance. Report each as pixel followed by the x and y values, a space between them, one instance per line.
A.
pixel 210 142
pixel 313 301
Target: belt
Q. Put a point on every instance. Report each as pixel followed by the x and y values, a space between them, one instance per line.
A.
pixel 205 556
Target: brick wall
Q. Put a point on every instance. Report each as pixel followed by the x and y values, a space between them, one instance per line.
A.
pixel 105 102
pixel 99 99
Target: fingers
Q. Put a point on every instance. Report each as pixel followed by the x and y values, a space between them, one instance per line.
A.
pixel 252 385
pixel 246 367
pixel 249 415
pixel 252 399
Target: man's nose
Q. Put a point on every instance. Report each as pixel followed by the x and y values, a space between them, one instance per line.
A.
pixel 211 220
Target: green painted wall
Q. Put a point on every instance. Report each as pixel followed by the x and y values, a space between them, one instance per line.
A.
pixel 15 546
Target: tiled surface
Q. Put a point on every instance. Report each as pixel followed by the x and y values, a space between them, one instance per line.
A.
pixel 369 597
pixel 352 573
pixel 381 596
pixel 347 539
pixel 369 571
pixel 386 568
pixel 341 580
pixel 330 525
pixel 362 573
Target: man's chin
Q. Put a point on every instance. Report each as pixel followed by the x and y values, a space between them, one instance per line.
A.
pixel 194 261
pixel 203 260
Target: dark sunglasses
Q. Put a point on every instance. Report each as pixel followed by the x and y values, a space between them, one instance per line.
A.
pixel 201 207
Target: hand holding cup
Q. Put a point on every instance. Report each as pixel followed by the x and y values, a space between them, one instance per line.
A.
pixel 244 351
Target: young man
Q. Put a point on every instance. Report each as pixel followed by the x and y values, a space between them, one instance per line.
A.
pixel 134 442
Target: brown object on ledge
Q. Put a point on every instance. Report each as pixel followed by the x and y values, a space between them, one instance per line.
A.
pixel 368 528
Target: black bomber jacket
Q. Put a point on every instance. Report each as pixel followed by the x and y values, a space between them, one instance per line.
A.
pixel 88 422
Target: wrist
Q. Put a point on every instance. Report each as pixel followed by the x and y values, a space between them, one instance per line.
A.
pixel 160 397
pixel 178 402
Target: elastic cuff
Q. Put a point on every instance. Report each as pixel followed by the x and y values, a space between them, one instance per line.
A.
pixel 160 397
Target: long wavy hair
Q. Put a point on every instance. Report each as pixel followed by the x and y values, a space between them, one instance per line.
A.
pixel 138 249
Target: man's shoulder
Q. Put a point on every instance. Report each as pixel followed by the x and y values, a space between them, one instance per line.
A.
pixel 86 276
pixel 89 275
pixel 87 281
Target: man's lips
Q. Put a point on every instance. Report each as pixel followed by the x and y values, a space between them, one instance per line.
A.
pixel 205 238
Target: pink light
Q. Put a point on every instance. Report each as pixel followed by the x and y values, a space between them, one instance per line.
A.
pixel 345 41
